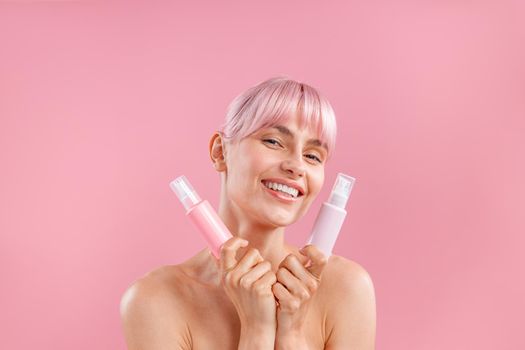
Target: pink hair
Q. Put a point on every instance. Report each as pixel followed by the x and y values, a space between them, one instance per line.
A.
pixel 274 101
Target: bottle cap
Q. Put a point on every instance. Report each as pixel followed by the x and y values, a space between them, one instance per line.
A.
pixel 185 192
pixel 341 191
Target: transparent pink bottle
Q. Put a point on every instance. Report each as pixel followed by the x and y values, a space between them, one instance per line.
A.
pixel 331 215
pixel 202 214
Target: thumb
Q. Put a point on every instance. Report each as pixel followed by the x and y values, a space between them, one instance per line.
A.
pixel 317 259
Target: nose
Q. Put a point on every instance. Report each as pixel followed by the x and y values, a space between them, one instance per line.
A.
pixel 293 167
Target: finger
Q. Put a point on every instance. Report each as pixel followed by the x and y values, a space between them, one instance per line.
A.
pixel 280 292
pixel 292 284
pixel 255 274
pixel 307 279
pixel 318 260
pixel 249 260
pixel 267 280
pixel 303 259
pixel 228 252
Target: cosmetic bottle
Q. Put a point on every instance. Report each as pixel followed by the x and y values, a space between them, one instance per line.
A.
pixel 202 214
pixel 331 216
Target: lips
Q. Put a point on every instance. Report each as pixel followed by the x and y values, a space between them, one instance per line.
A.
pixel 287 183
pixel 279 195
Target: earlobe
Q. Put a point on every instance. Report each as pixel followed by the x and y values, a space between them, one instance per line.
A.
pixel 217 152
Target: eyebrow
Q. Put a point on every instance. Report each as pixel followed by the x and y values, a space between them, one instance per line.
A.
pixel 284 130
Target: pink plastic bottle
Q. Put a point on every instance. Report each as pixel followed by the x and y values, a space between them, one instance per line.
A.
pixel 331 215
pixel 202 214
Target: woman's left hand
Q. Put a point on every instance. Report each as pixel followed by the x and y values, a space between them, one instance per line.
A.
pixel 296 284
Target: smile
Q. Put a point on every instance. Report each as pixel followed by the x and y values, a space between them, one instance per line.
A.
pixel 281 196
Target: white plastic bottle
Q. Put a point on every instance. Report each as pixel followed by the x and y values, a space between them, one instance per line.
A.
pixel 331 215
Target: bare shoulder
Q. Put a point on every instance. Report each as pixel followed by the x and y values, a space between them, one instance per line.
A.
pixel 350 303
pixel 156 287
pixel 346 274
pixel 152 311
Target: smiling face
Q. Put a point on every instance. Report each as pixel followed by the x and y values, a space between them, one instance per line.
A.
pixel 281 154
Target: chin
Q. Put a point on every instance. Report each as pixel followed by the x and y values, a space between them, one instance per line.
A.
pixel 283 220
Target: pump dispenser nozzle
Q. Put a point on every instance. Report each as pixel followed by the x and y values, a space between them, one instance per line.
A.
pixel 185 192
pixel 341 190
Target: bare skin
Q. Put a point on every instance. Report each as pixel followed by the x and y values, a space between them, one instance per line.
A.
pixel 265 295
pixel 191 293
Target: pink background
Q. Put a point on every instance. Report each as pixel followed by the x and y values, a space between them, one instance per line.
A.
pixel 102 105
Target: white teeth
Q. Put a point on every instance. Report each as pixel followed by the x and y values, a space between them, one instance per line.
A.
pixel 283 188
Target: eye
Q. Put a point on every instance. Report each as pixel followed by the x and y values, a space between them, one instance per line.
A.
pixel 275 142
pixel 272 141
pixel 314 157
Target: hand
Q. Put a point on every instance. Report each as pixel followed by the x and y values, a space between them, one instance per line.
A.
pixel 248 283
pixel 295 286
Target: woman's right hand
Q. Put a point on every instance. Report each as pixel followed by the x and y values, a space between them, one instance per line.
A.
pixel 248 283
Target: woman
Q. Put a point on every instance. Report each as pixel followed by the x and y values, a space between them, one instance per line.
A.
pixel 262 293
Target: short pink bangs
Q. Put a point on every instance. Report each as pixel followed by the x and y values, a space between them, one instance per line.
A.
pixel 273 102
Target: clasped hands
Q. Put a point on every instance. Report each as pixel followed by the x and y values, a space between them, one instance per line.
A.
pixel 298 279
pixel 260 295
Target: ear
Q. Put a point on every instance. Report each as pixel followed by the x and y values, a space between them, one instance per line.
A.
pixel 217 152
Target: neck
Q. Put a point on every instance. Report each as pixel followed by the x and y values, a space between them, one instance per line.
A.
pixel 267 239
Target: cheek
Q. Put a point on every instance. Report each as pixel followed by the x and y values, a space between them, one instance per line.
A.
pixel 245 175
pixel 317 182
